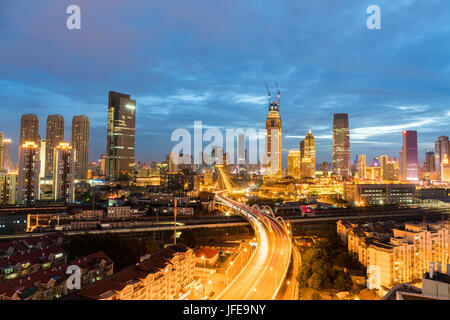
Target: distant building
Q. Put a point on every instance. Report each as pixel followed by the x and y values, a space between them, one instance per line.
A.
pixel 80 142
pixel 273 139
pixel 441 148
pixel 430 162
pixel 55 135
pixel 379 194
pixel 445 169
pixel 294 164
pixel 7 161
pixel 64 173
pixel 120 153
pixel 308 156
pixel 29 129
pixel 8 185
pixel 341 145
pixel 29 169
pixel 410 166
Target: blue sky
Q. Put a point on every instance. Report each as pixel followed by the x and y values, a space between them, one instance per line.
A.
pixel 208 60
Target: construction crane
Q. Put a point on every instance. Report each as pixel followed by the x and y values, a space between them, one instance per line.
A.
pixel 268 92
pixel 278 93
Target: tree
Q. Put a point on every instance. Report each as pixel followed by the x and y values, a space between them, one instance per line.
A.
pixel 188 238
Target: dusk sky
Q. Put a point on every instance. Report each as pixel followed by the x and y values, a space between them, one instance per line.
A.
pixel 209 60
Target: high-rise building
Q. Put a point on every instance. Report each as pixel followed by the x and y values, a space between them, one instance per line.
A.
pixel 325 169
pixel 28 178
pixel 8 194
pixel 274 139
pixel 309 151
pixel 294 164
pixel 42 154
pixel 2 137
pixel 445 168
pixel 54 136
pixel 430 162
pixel 102 161
pixel 362 166
pixel 63 173
pixel 241 150
pixel 29 128
pixel 7 162
pixel 341 145
pixel 121 136
pixel 410 164
pixel 172 162
pixel 80 142
pixel 441 148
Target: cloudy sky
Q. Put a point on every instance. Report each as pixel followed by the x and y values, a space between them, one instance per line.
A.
pixel 209 60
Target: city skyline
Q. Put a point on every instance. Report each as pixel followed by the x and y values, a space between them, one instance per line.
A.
pixel 222 68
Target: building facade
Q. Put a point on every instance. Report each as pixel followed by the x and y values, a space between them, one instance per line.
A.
pixel 80 142
pixel 54 136
pixel 120 153
pixel 29 128
pixel 341 145
pixel 28 177
pixel 64 173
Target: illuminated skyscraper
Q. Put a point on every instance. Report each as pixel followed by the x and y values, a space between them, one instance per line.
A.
pixel 80 142
pixel 29 128
pixel 362 166
pixel 63 173
pixel 28 179
pixel 294 164
pixel 410 166
pixel 308 156
pixel 241 150
pixel 54 136
pixel 2 137
pixel 341 145
pixel 121 136
pixel 445 169
pixel 7 162
pixel 430 162
pixel 273 139
pixel 441 148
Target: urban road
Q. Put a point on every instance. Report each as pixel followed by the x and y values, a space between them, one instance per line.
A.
pixel 416 213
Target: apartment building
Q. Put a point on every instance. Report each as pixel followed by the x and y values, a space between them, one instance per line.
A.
pixel 397 254
pixel 159 276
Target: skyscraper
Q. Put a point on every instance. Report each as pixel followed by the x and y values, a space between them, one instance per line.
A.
pixel 28 179
pixel 7 162
pixel 80 142
pixel 29 128
pixel 445 169
pixel 63 173
pixel 430 162
pixel 410 166
pixel 274 139
pixel 308 156
pixel 54 136
pixel 294 163
pixel 341 145
pixel 362 166
pixel 241 150
pixel 2 136
pixel 121 136
pixel 441 148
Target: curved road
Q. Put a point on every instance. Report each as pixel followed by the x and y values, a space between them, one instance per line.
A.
pixel 263 275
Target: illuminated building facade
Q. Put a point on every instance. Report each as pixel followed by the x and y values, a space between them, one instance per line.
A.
pixel 121 136
pixel 410 166
pixel 28 178
pixel 54 136
pixel 341 145
pixel 7 162
pixel 294 164
pixel 308 156
pixel 8 185
pixel 379 194
pixel 441 148
pixel 64 173
pixel 362 166
pixel 80 142
pixel 445 169
pixel 430 162
pixel 273 139
pixel 2 137
pixel 29 128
